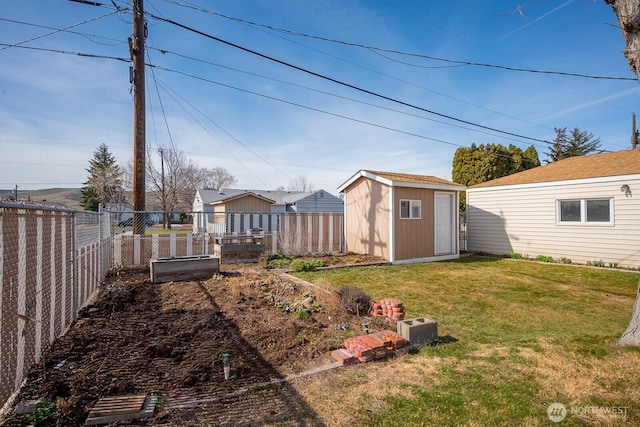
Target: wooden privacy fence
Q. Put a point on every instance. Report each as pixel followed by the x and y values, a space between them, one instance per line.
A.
pixel 40 290
pixel 298 234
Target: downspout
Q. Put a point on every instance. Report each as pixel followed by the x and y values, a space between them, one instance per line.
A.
pixel 456 221
pixel 392 237
pixel 344 223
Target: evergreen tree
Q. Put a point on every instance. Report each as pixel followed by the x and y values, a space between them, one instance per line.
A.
pixel 479 163
pixel 577 143
pixel 104 185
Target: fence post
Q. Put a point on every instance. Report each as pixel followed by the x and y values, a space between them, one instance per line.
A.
pixel 74 267
pixel 100 237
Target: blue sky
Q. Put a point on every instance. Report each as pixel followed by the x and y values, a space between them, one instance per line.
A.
pixel 268 123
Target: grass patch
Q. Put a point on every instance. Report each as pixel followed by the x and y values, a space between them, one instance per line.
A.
pixel 520 335
pixel 157 229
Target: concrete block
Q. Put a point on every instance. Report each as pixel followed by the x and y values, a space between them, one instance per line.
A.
pixel 184 268
pixel 420 330
pixel 26 406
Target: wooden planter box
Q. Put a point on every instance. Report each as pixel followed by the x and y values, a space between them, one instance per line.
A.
pixel 239 248
pixel 184 268
pixel 236 253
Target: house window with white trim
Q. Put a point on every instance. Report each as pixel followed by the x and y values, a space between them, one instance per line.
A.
pixel 585 211
pixel 410 209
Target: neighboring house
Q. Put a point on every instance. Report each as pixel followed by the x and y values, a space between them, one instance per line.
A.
pixel 583 209
pixel 401 217
pixel 216 206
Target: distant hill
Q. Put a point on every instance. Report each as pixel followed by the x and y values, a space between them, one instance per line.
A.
pixel 70 198
pixel 60 197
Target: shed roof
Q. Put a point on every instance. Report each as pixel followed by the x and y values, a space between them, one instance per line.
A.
pixel 398 179
pixel 626 162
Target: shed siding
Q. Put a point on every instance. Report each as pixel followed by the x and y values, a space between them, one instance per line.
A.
pixel 414 237
pixel 367 218
pixel 246 204
pixel 507 219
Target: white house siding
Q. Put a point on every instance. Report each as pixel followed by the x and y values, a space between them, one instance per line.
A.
pixel 320 201
pixel 522 218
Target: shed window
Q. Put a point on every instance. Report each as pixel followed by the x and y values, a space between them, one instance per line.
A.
pixel 585 211
pixel 410 209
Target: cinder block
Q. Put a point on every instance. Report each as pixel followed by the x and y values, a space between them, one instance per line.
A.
pixel 420 330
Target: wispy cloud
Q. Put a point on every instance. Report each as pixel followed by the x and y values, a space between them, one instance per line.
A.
pixel 587 105
pixel 538 19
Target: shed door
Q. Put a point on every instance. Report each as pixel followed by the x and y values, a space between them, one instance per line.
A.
pixel 444 231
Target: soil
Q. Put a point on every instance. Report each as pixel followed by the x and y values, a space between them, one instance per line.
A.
pixel 168 340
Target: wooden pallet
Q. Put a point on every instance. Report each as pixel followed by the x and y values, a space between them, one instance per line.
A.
pixel 111 409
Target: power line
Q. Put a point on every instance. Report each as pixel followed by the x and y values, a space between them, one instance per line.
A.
pixel 306 106
pixel 87 36
pixel 398 52
pixel 127 60
pixel 58 30
pixel 164 115
pixel 227 133
pixel 164 51
pixel 326 112
pixel 167 89
pixel 66 52
pixel 333 80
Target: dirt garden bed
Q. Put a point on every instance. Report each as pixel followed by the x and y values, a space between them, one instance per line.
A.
pixel 167 340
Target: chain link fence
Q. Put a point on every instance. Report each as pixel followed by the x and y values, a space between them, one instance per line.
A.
pixel 51 263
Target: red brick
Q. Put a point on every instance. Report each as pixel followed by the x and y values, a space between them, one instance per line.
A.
pixel 343 356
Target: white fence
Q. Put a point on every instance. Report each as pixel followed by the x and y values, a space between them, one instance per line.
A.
pixel 296 234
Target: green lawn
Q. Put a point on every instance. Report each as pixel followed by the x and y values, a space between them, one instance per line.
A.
pixel 519 335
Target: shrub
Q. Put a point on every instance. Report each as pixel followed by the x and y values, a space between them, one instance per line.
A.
pixel 515 255
pixel 302 314
pixel 566 260
pixel 44 412
pixel 277 261
pixel 544 258
pixel 304 265
pixel 354 300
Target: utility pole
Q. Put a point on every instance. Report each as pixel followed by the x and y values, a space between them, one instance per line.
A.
pixel 136 47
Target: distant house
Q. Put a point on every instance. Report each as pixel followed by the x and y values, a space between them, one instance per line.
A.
pixel 401 217
pixel 583 209
pixel 238 210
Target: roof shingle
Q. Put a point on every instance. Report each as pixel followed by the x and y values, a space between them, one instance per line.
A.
pixel 407 177
pixel 625 162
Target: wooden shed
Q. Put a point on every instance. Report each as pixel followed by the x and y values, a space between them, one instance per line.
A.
pixel 401 217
